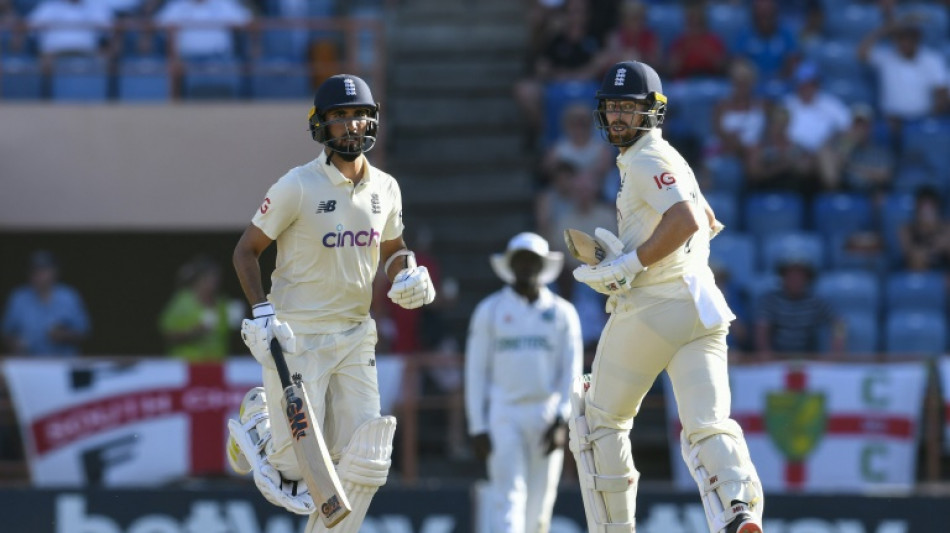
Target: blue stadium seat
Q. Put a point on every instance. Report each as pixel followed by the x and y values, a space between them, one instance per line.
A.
pixel 279 80
pixel 841 213
pixel 925 142
pixel 84 79
pixel 143 79
pixel 557 97
pixel 757 287
pixel 856 252
pixel 726 173
pixel 915 333
pixel 725 20
pixel 726 207
pixel 915 291
pixel 695 100
pixel 850 291
pixel 768 213
pixel 21 78
pixel 839 59
pixel 284 43
pixel 850 90
pixel 797 244
pixel 737 252
pixel 215 80
pixel 863 333
pixel 666 20
pixel 854 21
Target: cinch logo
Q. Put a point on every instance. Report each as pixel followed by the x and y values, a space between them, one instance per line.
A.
pixel 342 238
pixel 621 77
pixel 349 86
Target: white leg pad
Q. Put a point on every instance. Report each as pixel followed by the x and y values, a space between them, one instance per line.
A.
pixel 723 471
pixel 609 500
pixel 363 468
pixel 247 451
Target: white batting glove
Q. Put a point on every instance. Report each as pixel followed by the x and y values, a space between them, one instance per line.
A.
pixel 610 243
pixel 611 277
pixel 716 228
pixel 259 331
pixel 412 288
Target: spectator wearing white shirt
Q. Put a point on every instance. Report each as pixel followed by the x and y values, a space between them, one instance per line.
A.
pixel 912 78
pixel 69 27
pixel 203 27
pixel 816 118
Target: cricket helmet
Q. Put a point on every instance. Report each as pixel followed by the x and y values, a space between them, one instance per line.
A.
pixel 340 91
pixel 636 81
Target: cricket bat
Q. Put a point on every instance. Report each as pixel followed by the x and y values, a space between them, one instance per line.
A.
pixel 583 247
pixel 313 458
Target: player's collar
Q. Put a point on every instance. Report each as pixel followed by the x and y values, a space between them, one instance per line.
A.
pixel 337 177
pixel 647 138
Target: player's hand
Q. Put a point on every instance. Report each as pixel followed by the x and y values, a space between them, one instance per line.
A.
pixel 555 437
pixel 412 288
pixel 258 332
pixel 716 228
pixel 481 445
pixel 611 277
pixel 610 243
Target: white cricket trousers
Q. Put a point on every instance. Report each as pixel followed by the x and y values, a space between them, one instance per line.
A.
pixel 522 478
pixel 339 376
pixel 653 329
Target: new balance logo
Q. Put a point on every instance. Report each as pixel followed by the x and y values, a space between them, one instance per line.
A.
pixel 349 86
pixel 326 207
pixel 374 201
pixel 621 77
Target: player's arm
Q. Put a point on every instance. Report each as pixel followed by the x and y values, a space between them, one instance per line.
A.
pixel 386 251
pixel 677 225
pixel 246 257
pixel 411 285
pixel 477 377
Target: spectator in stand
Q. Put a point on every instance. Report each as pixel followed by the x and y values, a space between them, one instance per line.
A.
pixel 816 119
pixel 11 38
pixel 771 47
pixel 631 39
pixel 556 198
pixel 912 78
pixel 812 33
pixel 777 163
pixel 44 317
pixel 579 144
pixel 925 238
pixel 203 28
pixel 70 28
pixel 198 320
pixel 697 51
pixel 866 164
pixel 791 320
pixel 586 213
pixel 567 56
pixel 739 118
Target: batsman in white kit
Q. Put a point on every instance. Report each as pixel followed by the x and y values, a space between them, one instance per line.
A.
pixel 335 220
pixel 666 314
pixel 523 352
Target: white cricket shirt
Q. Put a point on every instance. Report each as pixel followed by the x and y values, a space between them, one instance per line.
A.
pixel 328 234
pixel 654 177
pixel 520 352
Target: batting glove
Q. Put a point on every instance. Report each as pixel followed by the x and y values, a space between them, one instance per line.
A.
pixel 259 331
pixel 611 277
pixel 716 228
pixel 610 243
pixel 412 288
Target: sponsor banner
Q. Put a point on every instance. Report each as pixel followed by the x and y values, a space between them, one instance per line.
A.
pixel 442 508
pixel 138 423
pixel 943 371
pixel 824 426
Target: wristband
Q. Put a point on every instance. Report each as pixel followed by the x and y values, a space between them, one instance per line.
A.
pixel 262 309
pixel 410 259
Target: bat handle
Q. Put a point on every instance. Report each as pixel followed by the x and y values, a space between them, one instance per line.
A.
pixel 278 354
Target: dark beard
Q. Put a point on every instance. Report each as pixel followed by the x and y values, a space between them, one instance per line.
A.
pixel 349 158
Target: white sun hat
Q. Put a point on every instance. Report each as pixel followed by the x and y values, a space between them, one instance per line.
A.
pixel 534 243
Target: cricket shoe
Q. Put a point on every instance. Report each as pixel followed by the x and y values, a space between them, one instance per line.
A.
pixel 254 428
pixel 745 521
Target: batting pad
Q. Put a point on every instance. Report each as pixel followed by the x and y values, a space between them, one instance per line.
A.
pixel 364 467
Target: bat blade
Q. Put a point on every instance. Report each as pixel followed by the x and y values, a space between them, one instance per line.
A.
pixel 583 247
pixel 310 449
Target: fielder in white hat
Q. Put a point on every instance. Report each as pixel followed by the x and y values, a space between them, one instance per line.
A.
pixel 524 349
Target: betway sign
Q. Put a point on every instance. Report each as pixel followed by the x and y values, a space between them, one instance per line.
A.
pixel 437 510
